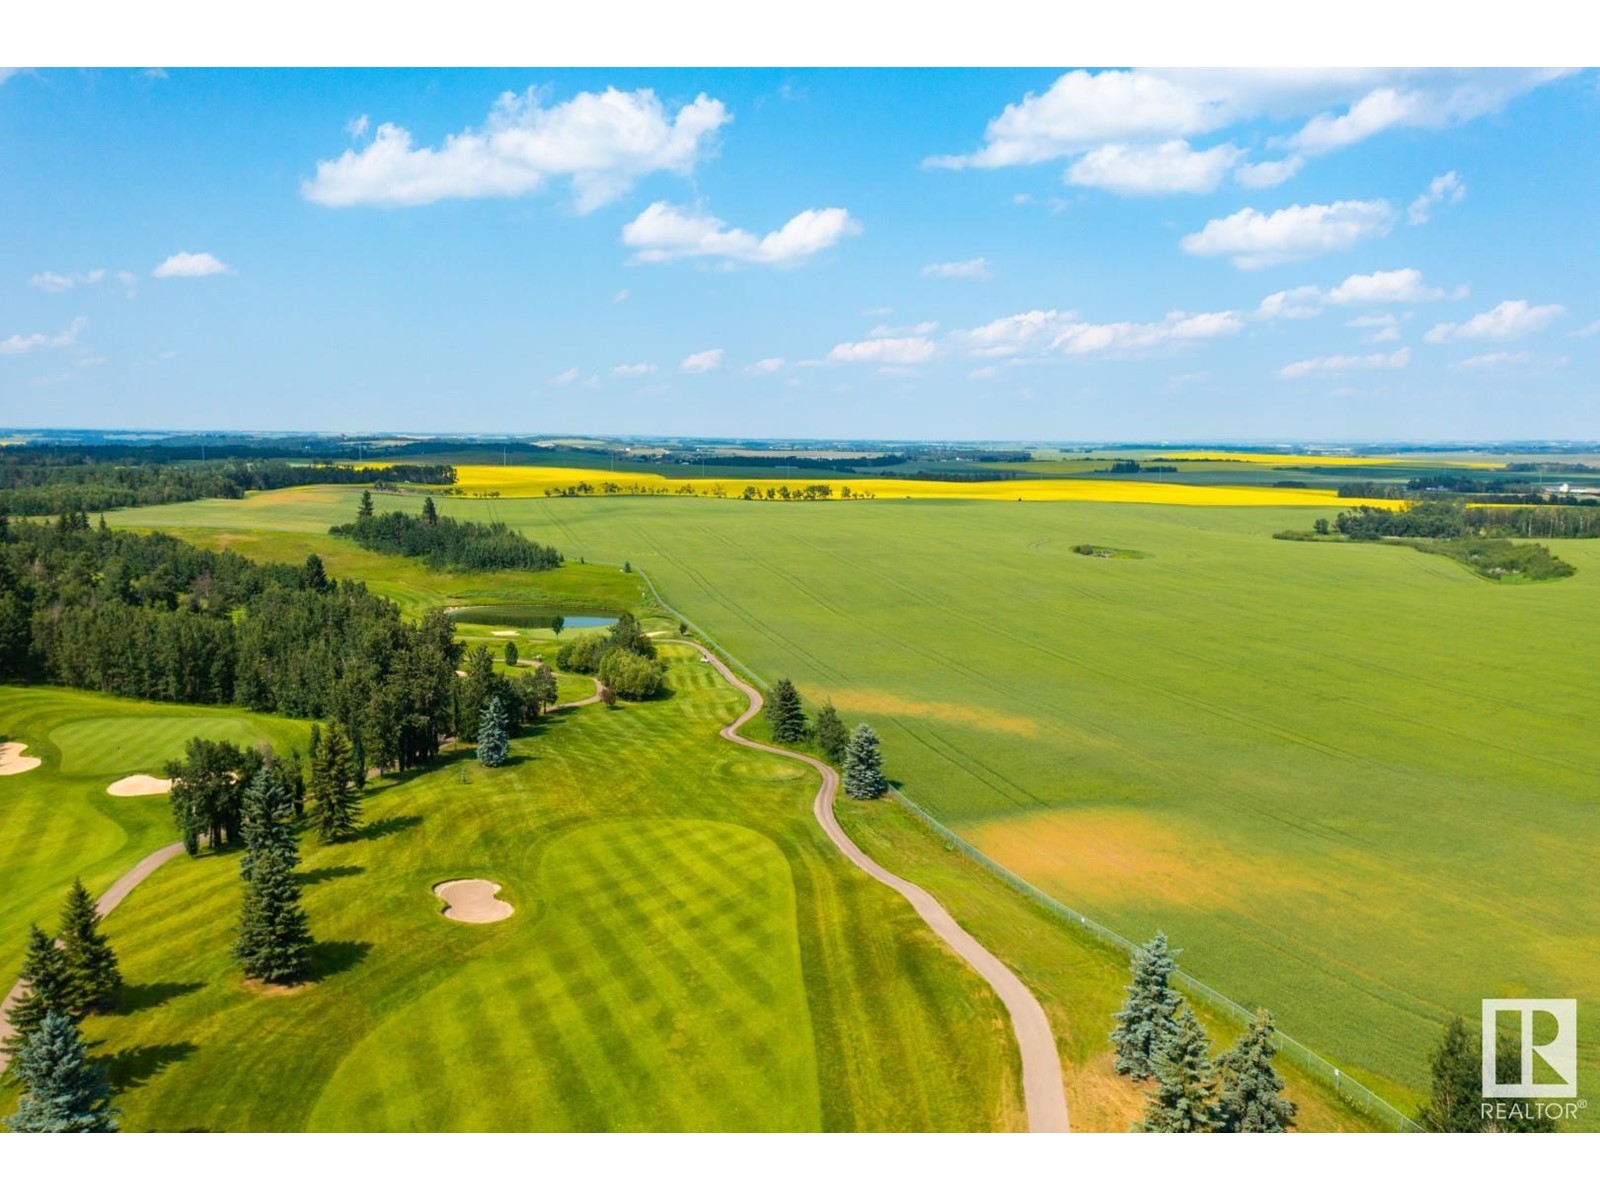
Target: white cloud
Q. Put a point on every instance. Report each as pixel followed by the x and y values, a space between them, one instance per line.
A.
pixel 53 281
pixel 1268 174
pixel 22 343
pixel 1255 239
pixel 700 363
pixel 633 370
pixel 1083 109
pixel 1506 321
pixel 620 296
pixel 1589 330
pixel 570 375
pixel 1295 304
pixel 1153 170
pixel 766 366
pixel 356 127
pixel 1385 327
pixel 920 329
pixel 603 142
pixel 1052 332
pixel 663 233
pixel 184 265
pixel 983 372
pixel 898 351
pixel 1445 189
pixel 1404 286
pixel 1335 363
pixel 971 268
pixel 1501 358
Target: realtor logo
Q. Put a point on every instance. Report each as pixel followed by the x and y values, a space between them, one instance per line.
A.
pixel 1559 1054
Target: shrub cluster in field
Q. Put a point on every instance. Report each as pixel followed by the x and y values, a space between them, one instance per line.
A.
pixel 445 543
pixel 624 659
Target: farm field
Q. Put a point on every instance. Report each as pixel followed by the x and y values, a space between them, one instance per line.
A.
pixel 686 952
pixel 1289 756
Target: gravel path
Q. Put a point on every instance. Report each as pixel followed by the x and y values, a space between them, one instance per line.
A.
pixel 1041 1066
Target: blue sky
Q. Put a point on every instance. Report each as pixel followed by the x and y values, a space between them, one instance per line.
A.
pixel 899 254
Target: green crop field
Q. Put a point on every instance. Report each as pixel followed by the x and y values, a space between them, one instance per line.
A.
pixel 687 952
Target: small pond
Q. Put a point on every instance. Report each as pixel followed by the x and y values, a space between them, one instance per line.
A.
pixel 526 616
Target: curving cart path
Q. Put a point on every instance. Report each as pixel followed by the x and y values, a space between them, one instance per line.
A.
pixel 1042 1089
pixel 114 895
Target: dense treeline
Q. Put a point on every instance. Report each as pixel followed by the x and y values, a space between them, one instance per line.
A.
pixel 149 616
pixel 445 543
pixel 1448 519
pixel 46 482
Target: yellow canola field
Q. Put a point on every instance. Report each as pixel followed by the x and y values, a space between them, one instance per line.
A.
pixel 537 481
pixel 1311 460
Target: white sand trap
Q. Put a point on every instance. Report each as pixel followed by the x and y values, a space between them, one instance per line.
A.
pixel 503 632
pixel 140 785
pixel 472 901
pixel 13 761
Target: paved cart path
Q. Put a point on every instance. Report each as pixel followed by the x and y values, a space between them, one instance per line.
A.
pixel 1041 1066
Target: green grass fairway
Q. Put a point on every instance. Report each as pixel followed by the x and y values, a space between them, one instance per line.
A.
pixel 687 952
pixel 57 822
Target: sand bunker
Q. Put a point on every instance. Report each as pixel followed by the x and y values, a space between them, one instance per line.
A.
pixel 503 632
pixel 140 785
pixel 472 901
pixel 13 761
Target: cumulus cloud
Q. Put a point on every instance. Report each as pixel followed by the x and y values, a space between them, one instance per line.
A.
pixel 898 351
pixel 1336 363
pixel 766 366
pixel 1506 321
pixel 1255 239
pixel 602 142
pixel 184 265
pixel 1155 170
pixel 1402 286
pixel 23 343
pixel 1268 174
pixel 971 268
pixel 1082 109
pixel 1053 332
pixel 664 233
pixel 1445 189
pixel 634 370
pixel 701 362
pixel 1293 304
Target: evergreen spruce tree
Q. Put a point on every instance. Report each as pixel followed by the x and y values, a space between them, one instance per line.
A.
pixel 364 513
pixel 1185 1098
pixel 494 744
pixel 511 654
pixel 63 1091
pixel 430 513
pixel 92 974
pixel 316 575
pixel 1457 1087
pixel 785 714
pixel 1146 1019
pixel 274 943
pixel 1251 1087
pixel 46 987
pixel 266 821
pixel 333 787
pixel 832 737
pixel 863 765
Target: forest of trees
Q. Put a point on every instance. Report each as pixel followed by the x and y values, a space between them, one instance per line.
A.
pixel 39 482
pixel 149 616
pixel 445 543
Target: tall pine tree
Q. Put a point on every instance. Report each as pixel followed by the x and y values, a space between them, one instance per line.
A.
pixel 863 765
pixel 267 821
pixel 275 941
pixel 1252 1099
pixel 333 787
pixel 832 737
pixel 93 977
pixel 494 743
pixel 46 987
pixel 785 714
pixel 1147 1018
pixel 1185 1098
pixel 63 1090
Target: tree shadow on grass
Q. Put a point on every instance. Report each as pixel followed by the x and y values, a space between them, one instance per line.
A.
pixel 323 874
pixel 384 826
pixel 140 996
pixel 137 1065
pixel 333 958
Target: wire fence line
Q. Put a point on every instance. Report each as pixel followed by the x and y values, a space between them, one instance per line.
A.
pixel 1351 1091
